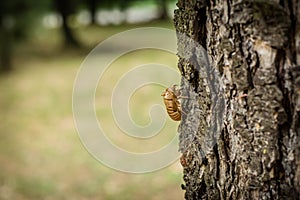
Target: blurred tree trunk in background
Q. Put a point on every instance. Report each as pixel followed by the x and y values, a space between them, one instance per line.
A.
pixel 255 152
pixel 5 47
pixel 66 8
pixel 15 23
pixel 162 9
pixel 92 5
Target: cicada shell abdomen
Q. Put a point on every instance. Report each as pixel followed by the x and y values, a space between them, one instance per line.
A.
pixel 172 104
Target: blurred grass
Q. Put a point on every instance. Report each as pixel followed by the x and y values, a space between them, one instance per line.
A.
pixel 41 155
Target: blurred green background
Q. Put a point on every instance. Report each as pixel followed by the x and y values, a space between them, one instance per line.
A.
pixel 42 45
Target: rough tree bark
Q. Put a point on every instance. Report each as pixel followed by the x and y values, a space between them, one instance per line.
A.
pixel 247 147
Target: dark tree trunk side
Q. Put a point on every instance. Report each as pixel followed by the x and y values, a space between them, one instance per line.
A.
pixel 253 45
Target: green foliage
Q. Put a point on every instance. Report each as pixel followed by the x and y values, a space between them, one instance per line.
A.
pixel 121 4
pixel 17 16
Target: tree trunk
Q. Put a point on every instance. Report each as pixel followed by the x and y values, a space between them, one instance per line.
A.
pixel 65 9
pixel 162 9
pixel 240 128
pixel 92 5
pixel 6 45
